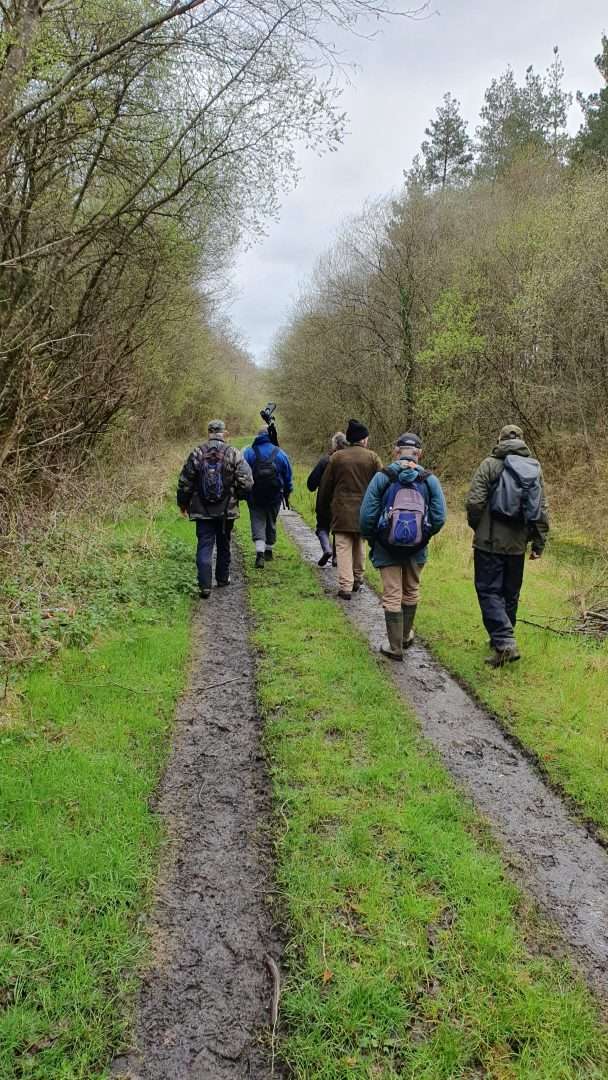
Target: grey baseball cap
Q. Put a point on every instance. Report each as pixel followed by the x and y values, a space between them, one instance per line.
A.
pixel 216 426
pixel 510 431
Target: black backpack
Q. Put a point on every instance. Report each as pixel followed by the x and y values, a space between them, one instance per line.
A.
pixel 211 488
pixel 267 486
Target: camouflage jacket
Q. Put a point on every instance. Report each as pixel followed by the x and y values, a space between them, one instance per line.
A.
pixel 238 480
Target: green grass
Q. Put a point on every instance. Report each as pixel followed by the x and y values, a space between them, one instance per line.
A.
pixel 556 698
pixel 82 746
pixel 407 950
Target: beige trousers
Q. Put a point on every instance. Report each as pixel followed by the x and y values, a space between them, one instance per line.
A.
pixel 400 585
pixel 350 553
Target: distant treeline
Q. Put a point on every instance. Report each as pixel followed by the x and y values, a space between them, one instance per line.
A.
pixel 479 295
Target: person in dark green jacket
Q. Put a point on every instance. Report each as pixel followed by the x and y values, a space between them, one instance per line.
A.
pixel 500 547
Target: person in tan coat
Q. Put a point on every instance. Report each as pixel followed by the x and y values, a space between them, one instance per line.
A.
pixel 343 486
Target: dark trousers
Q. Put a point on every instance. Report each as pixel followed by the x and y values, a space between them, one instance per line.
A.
pixel 209 533
pixel 264 524
pixel 498 580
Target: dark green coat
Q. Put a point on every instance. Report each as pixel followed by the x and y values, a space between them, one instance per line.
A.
pixel 492 534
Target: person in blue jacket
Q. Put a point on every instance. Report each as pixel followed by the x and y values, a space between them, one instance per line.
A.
pixel 272 483
pixel 401 572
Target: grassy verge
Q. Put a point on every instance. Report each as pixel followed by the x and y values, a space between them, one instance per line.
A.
pixel 407 954
pixel 556 699
pixel 83 737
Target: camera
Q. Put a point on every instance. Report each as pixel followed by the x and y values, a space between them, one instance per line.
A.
pixel 267 413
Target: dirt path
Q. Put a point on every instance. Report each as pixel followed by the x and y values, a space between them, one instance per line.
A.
pixel 205 1002
pixel 552 856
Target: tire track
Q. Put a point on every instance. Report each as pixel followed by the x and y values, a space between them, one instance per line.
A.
pixel 205 1003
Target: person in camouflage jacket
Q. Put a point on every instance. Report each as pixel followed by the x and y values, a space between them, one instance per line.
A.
pixel 214 522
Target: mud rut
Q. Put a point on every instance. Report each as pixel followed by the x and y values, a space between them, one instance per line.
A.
pixel 206 999
pixel 205 1004
pixel 552 856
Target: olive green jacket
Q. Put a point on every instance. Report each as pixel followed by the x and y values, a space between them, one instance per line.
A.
pixel 494 534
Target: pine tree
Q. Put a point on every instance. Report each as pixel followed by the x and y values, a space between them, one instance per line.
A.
pixel 448 152
pixel 558 103
pixel 517 119
pixel 512 120
pixel 592 139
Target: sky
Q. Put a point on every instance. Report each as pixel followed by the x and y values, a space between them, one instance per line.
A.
pixel 401 76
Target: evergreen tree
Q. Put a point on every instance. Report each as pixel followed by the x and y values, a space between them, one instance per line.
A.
pixel 448 152
pixel 517 119
pixel 592 139
pixel 512 120
pixel 558 106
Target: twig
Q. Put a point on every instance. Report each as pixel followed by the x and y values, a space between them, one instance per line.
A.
pixel 552 629
pixel 213 686
pixel 114 685
pixel 274 1010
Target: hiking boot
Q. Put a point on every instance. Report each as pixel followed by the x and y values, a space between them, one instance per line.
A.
pixel 325 557
pixel 205 594
pixel 344 595
pixel 394 632
pixel 268 555
pixel 222 582
pixel 409 614
pixel 260 561
pixel 504 656
pixel 357 585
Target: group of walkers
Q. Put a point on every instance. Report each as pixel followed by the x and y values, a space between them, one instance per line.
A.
pixel 397 509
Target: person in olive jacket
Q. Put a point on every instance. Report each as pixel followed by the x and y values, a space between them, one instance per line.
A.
pixel 343 486
pixel 500 547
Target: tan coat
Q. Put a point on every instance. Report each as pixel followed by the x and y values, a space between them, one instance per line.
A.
pixel 343 486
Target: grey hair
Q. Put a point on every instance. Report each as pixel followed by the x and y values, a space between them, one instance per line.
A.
pixel 339 441
pixel 412 453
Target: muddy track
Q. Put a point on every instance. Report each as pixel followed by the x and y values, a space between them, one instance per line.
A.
pixel 552 856
pixel 205 1002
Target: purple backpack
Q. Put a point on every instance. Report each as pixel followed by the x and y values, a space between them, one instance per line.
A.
pixel 403 525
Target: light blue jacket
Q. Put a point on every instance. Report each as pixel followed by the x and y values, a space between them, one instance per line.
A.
pixel 371 508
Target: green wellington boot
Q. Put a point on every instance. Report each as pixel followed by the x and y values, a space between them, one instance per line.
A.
pixel 394 631
pixel 409 614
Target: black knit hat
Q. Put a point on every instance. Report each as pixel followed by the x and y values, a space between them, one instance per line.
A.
pixel 356 431
pixel 409 439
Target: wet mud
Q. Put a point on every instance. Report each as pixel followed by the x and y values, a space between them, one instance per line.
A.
pixel 205 1004
pixel 551 855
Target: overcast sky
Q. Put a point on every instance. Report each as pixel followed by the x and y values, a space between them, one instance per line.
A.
pixel 402 76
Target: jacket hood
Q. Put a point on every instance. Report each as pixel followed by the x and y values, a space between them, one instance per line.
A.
pixel 404 474
pixel 261 440
pixel 511 446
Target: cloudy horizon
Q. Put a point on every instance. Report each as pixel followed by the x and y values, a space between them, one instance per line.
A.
pixel 402 74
